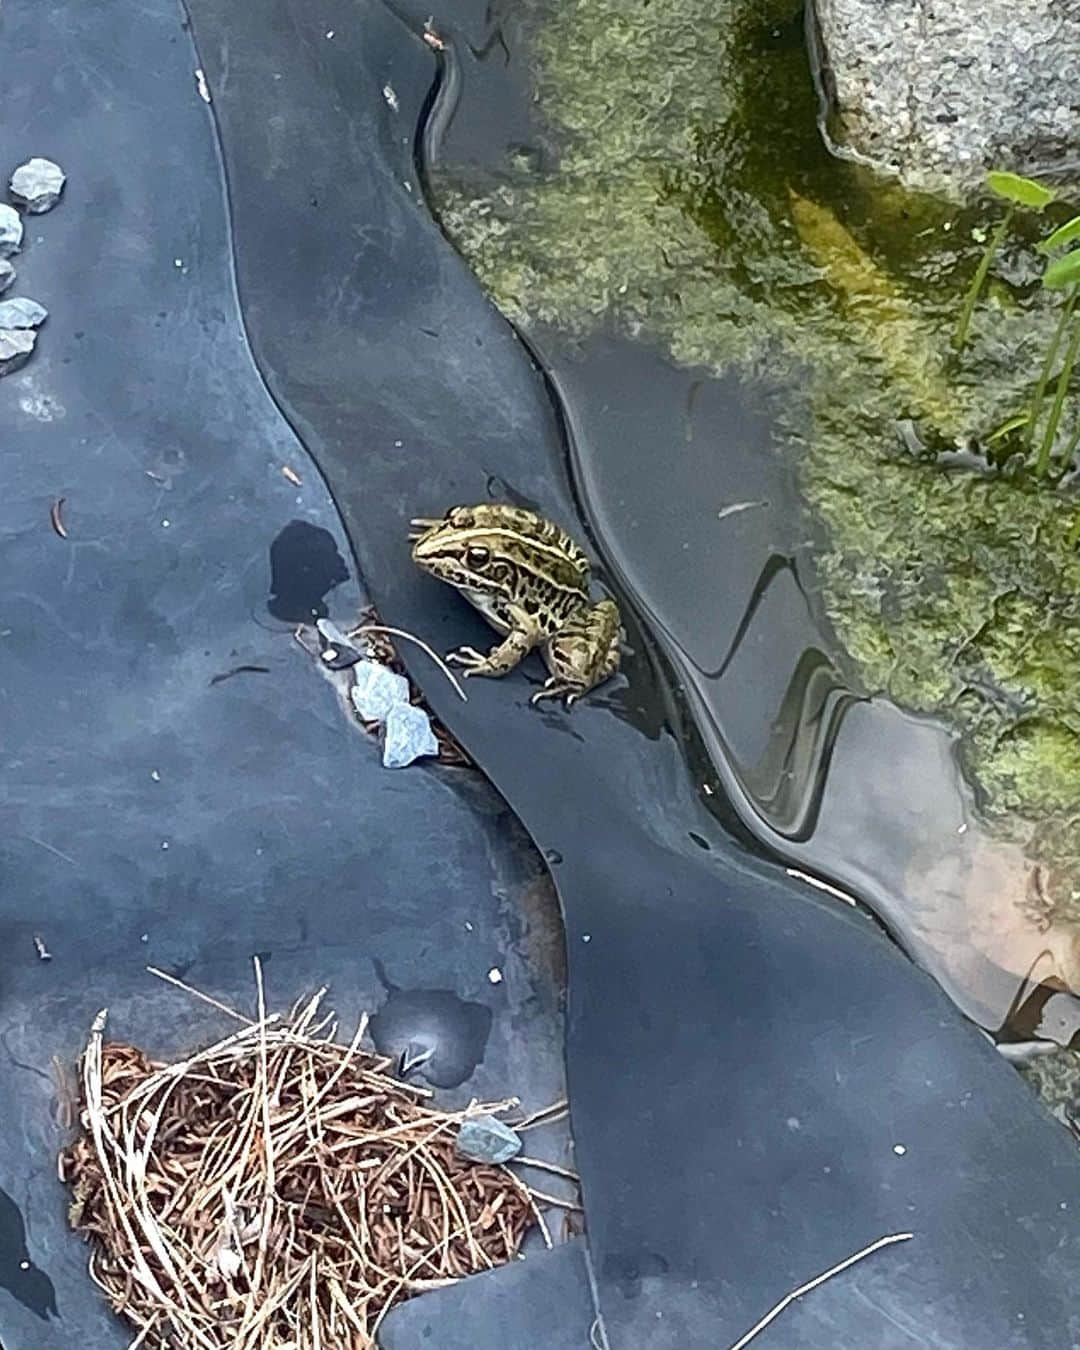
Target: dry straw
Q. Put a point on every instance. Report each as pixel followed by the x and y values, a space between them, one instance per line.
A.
pixel 277 1190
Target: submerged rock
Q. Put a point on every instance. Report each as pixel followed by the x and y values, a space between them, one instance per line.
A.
pixel 11 230
pixel 7 275
pixel 407 736
pixel 20 312
pixel 16 344
pixel 486 1139
pixel 37 185
pixel 940 93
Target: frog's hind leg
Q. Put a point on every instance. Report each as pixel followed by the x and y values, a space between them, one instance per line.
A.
pixel 583 653
pixel 606 624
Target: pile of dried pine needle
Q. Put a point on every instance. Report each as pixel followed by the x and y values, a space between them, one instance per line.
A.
pixel 276 1190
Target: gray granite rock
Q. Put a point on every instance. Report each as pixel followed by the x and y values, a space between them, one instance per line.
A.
pixel 11 230
pixel 37 185
pixel 16 344
pixel 7 275
pixel 407 736
pixel 377 690
pixel 21 312
pixel 940 92
pixel 485 1139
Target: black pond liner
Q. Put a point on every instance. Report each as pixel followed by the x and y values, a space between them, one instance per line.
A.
pixel 761 1083
pixel 182 786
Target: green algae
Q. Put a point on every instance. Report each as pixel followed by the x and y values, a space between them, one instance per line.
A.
pixel 1056 1079
pixel 689 200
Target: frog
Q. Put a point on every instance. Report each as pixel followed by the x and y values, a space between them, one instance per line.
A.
pixel 530 581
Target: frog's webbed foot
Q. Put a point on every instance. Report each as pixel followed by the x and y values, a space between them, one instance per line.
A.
pixel 469 658
pixel 555 687
pixel 498 661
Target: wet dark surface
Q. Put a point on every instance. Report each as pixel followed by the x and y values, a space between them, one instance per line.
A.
pixel 432 1034
pixel 149 814
pixel 305 566
pixel 18 1275
pixel 761 1083
pixel 689 485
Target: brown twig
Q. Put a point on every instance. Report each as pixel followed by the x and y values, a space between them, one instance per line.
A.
pixel 56 519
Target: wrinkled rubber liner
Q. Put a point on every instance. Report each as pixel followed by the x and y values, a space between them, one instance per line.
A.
pixel 761 1083
pixel 746 1061
pixel 158 809
pixel 545 1300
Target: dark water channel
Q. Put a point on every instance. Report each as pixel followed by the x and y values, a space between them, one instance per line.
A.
pixel 690 482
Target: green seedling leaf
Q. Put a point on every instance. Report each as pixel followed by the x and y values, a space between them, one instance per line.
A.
pixel 1063 272
pixel 1023 191
pixel 1013 424
pixel 1064 234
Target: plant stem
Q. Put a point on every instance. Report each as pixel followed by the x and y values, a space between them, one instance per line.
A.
pixel 1047 368
pixel 1073 537
pixel 1070 449
pixel 978 280
pixel 1050 434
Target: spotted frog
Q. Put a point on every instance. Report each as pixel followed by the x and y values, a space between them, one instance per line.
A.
pixel 530 581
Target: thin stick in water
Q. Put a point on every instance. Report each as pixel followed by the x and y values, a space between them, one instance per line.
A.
pixel 788 1299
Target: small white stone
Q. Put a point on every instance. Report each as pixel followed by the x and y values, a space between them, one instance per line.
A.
pixel 21 312
pixel 495 975
pixel 155 775
pixel 376 690
pixel 899 1150
pixel 202 86
pixel 37 185
pixel 407 736
pixel 229 1262
pixel 16 344
pixel 11 230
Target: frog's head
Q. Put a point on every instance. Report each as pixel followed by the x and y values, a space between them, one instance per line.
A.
pixel 459 549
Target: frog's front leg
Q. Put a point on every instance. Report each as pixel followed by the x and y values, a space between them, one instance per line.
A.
pixel 513 649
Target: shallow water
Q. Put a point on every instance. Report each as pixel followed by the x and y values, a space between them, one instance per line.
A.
pixel 749 342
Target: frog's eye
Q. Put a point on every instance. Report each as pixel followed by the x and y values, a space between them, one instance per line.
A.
pixel 477 557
